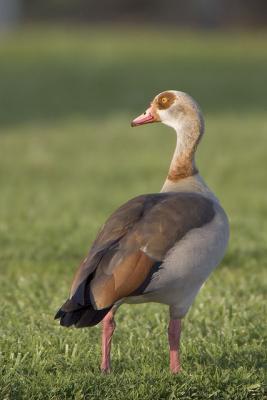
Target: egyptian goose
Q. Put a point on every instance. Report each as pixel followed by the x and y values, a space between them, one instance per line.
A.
pixel 158 247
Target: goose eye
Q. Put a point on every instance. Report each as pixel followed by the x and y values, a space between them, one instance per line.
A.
pixel 164 100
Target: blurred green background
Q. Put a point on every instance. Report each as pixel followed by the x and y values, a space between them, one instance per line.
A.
pixel 69 157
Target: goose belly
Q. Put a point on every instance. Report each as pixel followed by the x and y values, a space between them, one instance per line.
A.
pixel 187 265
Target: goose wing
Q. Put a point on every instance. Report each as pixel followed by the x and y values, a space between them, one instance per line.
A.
pixel 134 238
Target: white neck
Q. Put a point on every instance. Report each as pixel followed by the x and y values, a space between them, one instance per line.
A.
pixel 180 148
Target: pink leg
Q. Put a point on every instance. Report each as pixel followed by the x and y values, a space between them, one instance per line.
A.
pixel 174 332
pixel 108 325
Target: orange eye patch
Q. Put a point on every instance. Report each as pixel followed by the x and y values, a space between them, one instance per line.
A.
pixel 165 100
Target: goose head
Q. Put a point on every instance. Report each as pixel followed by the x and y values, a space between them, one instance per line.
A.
pixel 177 110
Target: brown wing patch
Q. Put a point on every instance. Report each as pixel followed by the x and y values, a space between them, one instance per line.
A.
pixel 117 225
pixel 126 277
pixel 165 100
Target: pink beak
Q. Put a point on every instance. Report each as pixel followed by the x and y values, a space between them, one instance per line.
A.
pixel 145 118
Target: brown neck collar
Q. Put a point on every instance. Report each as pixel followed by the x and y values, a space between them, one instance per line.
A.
pixel 182 166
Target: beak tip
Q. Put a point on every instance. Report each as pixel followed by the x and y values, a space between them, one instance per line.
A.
pixel 133 124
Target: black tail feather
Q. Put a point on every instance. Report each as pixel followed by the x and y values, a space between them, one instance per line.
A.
pixel 79 311
pixel 80 316
pixel 91 317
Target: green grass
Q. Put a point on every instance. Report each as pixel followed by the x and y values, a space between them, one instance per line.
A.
pixel 69 157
